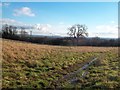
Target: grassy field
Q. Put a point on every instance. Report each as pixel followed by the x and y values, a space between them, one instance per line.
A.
pixel 27 65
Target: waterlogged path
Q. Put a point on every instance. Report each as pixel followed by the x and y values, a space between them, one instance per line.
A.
pixel 80 69
pixel 72 77
pixel 83 70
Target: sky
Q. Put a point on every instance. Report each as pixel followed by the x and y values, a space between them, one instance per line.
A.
pixel 53 18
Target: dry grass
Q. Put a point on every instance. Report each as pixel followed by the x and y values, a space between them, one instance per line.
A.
pixel 23 47
pixel 15 50
pixel 34 65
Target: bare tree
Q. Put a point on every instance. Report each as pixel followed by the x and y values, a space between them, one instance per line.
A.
pixel 77 31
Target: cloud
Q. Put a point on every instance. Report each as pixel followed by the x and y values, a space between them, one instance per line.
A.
pixel 23 11
pixel 13 22
pixel 4 4
pixel 44 28
pixel 54 29
pixel 107 28
pixel 59 29
pixel 40 27
pixel 110 31
pixel 10 21
pixel 37 29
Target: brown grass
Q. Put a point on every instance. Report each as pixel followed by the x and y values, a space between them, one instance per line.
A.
pixel 23 50
pixel 41 62
pixel 30 47
pixel 16 50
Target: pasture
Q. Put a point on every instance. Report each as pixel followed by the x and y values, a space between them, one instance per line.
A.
pixel 27 65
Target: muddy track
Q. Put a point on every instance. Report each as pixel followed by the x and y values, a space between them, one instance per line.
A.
pixel 72 77
pixel 80 69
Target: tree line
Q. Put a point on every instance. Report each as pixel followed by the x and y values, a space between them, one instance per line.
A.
pixel 77 37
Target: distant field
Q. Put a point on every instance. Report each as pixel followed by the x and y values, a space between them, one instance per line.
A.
pixel 27 65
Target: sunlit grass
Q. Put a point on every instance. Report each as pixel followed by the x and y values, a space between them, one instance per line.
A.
pixel 29 65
